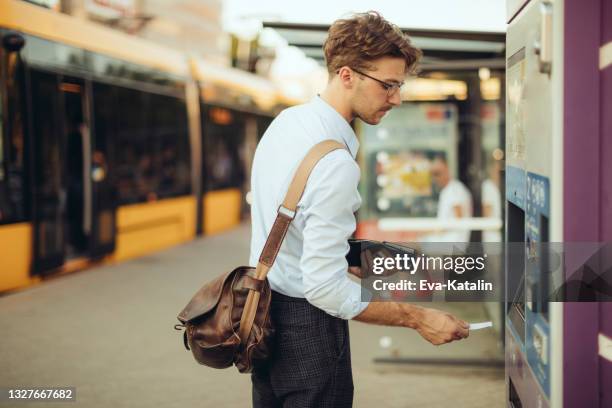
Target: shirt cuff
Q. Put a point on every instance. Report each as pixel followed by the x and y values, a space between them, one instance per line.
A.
pixel 358 299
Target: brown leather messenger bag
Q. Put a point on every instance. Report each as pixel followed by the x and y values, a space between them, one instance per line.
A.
pixel 228 320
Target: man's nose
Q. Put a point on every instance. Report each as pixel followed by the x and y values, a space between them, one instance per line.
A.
pixel 395 99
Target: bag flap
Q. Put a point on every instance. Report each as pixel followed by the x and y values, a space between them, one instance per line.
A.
pixel 206 298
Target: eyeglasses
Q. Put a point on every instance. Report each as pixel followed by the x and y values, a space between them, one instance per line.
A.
pixel 391 88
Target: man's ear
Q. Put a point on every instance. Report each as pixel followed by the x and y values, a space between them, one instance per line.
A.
pixel 346 77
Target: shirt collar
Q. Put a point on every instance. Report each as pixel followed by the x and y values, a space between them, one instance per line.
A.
pixel 343 132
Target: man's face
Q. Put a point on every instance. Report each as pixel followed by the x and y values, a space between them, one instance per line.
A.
pixel 439 173
pixel 370 101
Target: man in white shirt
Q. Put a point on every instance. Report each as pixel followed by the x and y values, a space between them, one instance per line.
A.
pixel 313 296
pixel 454 202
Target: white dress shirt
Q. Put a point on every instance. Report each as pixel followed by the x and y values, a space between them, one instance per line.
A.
pixel 311 263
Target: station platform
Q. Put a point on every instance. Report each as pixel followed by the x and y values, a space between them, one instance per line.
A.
pixel 108 331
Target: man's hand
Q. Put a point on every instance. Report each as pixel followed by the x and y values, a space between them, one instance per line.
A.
pixel 439 327
pixel 356 271
pixel 435 326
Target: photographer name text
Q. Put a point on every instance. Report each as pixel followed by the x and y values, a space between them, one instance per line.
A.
pixel 426 285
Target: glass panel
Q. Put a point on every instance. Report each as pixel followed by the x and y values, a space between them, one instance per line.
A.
pixel 491 171
pixel 104 197
pixel 149 148
pixel 76 148
pixel 49 196
pixel 169 127
pixel 13 204
pixel 437 156
pixel 133 161
pixel 223 145
pixel 400 157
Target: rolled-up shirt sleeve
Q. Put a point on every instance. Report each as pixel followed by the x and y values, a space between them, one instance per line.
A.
pixel 330 200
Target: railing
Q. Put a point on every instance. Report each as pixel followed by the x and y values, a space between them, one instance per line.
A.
pixel 435 224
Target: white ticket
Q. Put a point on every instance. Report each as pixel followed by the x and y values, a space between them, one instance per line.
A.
pixel 478 326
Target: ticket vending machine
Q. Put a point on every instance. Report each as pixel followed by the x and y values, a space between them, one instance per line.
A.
pixel 559 86
pixel 530 156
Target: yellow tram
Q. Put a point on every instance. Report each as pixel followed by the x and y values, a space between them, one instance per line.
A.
pixel 112 147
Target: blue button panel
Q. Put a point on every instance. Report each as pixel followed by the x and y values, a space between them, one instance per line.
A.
pixel 537 330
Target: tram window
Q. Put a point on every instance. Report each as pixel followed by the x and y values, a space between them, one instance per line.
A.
pixel 12 142
pixel 170 128
pixel 262 125
pixel 132 163
pixel 104 100
pixel 223 149
pixel 150 157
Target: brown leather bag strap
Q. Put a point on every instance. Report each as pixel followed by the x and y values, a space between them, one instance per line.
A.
pixel 286 213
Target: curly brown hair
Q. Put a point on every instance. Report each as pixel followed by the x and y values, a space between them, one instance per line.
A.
pixel 364 37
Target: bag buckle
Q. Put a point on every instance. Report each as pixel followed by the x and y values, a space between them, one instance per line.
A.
pixel 285 211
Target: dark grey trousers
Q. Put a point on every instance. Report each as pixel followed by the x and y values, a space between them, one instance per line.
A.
pixel 310 365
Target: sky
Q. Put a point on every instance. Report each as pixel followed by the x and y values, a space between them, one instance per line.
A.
pixel 476 15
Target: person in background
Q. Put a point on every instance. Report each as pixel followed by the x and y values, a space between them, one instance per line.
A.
pixel 454 202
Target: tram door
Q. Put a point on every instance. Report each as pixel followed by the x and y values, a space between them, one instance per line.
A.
pixel 102 225
pixel 69 175
pixel 48 179
pixel 77 159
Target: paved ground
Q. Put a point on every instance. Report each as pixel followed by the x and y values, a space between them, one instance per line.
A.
pixel 109 332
